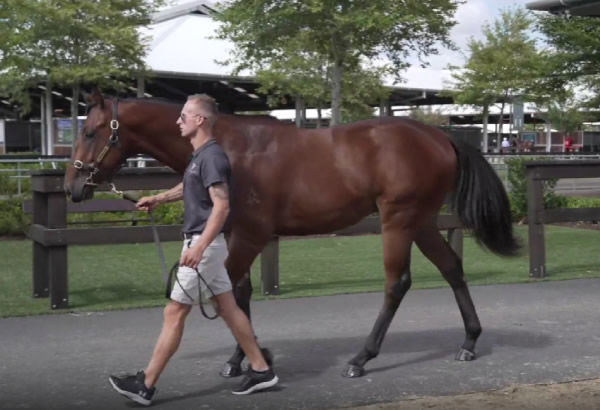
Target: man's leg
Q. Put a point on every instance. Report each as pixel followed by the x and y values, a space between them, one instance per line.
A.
pixel 139 387
pixel 168 341
pixel 241 328
pixel 260 376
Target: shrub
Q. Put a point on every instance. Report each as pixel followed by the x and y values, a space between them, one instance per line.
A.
pixel 12 219
pixel 518 189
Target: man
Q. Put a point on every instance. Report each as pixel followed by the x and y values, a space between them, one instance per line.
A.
pixel 205 193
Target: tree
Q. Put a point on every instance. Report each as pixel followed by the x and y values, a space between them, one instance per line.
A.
pixel 342 34
pixel 306 77
pixel 429 116
pixel 564 114
pixel 71 42
pixel 575 46
pixel 503 67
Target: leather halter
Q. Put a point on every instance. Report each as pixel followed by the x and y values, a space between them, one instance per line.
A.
pixel 113 140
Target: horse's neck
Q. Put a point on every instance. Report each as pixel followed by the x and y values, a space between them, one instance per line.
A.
pixel 160 139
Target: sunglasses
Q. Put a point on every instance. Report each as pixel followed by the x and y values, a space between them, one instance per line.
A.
pixel 183 117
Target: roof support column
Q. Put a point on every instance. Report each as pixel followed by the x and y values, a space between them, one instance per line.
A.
pixel 141 86
pixel 300 112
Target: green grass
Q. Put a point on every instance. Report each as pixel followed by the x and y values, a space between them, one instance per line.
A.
pixel 108 277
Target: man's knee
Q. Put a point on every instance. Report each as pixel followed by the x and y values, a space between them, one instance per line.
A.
pixel 175 312
pixel 227 306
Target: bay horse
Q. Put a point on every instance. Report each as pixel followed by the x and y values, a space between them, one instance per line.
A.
pixel 290 181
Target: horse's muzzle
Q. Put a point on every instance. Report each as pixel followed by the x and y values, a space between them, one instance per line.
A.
pixel 79 190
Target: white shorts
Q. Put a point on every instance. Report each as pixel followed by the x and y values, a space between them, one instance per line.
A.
pixel 186 283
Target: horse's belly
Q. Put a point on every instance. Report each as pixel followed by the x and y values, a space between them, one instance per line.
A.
pixel 304 219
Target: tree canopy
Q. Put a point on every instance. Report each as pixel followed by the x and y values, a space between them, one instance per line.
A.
pixel 335 37
pixel 69 42
pixel 505 66
pixel 575 46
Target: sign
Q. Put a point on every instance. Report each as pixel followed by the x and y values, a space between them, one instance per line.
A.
pixel 518 114
pixel 64 131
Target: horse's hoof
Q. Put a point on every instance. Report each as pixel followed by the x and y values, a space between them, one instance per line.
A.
pixel 353 370
pixel 231 370
pixel 465 355
pixel 267 355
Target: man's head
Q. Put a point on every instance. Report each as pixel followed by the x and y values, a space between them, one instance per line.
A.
pixel 200 111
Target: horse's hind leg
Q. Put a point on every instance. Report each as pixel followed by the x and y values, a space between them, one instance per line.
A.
pixel 436 249
pixel 396 258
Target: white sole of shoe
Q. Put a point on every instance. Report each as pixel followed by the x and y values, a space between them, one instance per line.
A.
pixel 258 387
pixel 130 395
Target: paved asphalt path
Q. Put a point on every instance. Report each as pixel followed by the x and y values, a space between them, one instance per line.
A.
pixel 533 333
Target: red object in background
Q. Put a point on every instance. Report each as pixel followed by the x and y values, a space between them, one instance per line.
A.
pixel 568 144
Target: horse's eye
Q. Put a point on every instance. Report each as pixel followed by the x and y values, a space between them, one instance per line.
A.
pixel 89 134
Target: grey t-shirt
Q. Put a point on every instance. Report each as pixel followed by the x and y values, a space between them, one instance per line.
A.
pixel 209 165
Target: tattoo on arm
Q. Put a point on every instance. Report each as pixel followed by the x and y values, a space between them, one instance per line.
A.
pixel 219 192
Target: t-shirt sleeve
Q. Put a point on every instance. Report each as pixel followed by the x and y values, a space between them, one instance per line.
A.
pixel 215 169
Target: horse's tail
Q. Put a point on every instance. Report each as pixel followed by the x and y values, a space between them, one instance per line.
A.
pixel 481 203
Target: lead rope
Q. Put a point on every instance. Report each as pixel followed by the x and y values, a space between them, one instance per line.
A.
pixel 167 278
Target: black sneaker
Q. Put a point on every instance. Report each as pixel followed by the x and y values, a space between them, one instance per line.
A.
pixel 255 381
pixel 133 387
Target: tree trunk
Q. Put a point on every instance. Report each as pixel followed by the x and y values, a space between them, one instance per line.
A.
pixel 336 94
pixel 500 123
pixel 485 115
pixel 300 112
pixel 74 113
pixel 319 116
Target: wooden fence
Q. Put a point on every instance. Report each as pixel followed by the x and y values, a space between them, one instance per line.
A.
pixel 537 172
pixel 51 237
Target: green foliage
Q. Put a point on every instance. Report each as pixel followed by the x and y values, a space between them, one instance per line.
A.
pixel 575 43
pixel 69 42
pixel 171 213
pixel 429 116
pixel 12 219
pixel 504 67
pixel 586 202
pixel 299 46
pixel 518 189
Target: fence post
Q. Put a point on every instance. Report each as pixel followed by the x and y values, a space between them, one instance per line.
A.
pixel 535 223
pixel 50 262
pixel 40 254
pixel 269 268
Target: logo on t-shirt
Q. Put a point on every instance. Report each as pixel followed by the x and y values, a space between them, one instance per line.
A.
pixel 194 168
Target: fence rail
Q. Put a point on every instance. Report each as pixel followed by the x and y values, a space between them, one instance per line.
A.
pixel 537 216
pixel 21 171
pixel 51 237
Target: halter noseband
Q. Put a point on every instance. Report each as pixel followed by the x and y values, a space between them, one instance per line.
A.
pixel 113 140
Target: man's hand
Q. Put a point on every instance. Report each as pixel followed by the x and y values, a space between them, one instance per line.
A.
pixel 191 257
pixel 147 203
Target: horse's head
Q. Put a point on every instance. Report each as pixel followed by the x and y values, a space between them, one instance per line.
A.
pixel 98 152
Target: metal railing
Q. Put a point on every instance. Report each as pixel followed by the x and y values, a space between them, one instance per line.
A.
pixel 20 172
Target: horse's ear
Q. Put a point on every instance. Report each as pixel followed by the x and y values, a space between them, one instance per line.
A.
pixel 94 98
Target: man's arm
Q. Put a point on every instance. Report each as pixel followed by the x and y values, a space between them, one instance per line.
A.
pixel 219 193
pixel 148 203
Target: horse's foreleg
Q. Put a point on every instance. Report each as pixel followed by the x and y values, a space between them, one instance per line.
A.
pixel 243 293
pixel 398 280
pixel 436 249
